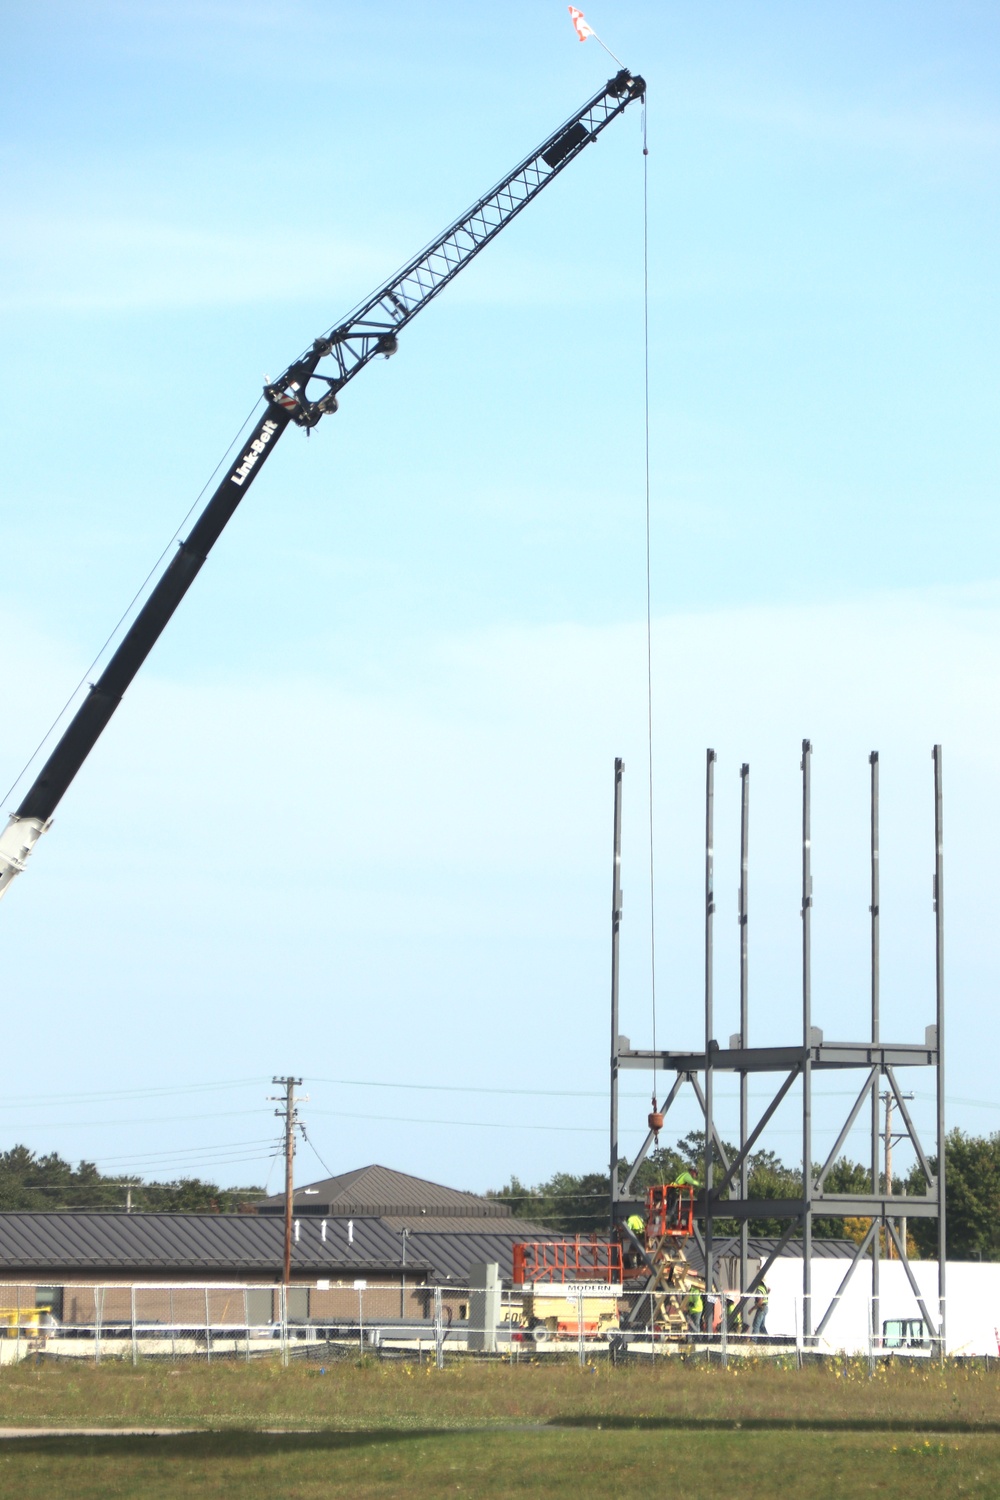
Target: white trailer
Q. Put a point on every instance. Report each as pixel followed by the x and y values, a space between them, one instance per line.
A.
pixel 973 1304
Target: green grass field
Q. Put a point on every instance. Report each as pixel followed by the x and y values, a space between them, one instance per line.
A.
pixel 386 1430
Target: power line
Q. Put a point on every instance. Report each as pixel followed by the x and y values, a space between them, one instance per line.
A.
pixel 312 1148
pixel 223 1114
pixel 15 1101
pixel 177 1090
pixel 342 1114
pixel 119 1179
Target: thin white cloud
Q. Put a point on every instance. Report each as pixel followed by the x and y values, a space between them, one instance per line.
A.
pixel 105 264
pixel 112 263
pixel 865 125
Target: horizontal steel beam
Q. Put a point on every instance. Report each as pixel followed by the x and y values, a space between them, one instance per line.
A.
pixel 782 1059
pixel 847 1205
pixel 841 1206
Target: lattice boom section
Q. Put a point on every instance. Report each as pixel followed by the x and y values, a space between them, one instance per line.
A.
pixel 371 328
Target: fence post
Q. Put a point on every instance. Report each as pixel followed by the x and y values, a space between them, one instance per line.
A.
pixel 17 1351
pixel 98 1305
pixel 579 1327
pixel 283 1315
pixel 438 1329
pixel 208 1330
pixel 135 1343
pixel 724 1301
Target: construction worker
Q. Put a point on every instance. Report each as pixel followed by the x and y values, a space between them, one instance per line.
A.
pixel 637 1225
pixel 677 1200
pixel 695 1309
pixel 759 1324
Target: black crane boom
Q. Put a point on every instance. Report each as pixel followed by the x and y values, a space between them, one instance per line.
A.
pixel 302 395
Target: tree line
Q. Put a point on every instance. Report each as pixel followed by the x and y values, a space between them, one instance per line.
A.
pixel 576 1204
pixel 28 1181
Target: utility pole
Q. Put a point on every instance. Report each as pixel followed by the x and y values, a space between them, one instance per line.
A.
pixel 888 1099
pixel 289 1114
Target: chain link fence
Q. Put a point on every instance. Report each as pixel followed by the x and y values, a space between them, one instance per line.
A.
pixel 329 1321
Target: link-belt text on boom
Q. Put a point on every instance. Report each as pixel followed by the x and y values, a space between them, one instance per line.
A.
pixel 254 451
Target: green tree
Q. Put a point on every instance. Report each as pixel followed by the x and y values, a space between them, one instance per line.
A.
pixel 35 1182
pixel 572 1204
pixel 972 1199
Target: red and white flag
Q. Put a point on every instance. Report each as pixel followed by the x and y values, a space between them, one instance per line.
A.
pixel 579 24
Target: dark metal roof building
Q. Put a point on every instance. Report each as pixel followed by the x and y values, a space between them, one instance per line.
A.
pixel 379 1191
pixel 233 1245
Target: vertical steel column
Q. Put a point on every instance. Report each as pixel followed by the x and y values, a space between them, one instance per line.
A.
pixel 744 1002
pixel 876 1324
pixel 806 1040
pixel 939 1022
pixel 616 918
pixel 709 1025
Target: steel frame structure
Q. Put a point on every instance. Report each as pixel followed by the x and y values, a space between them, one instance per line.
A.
pixel 875 1058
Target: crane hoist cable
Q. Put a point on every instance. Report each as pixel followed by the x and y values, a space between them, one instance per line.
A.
pixel 655 1116
pixel 306 392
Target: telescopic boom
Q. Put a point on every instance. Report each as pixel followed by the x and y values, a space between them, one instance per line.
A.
pixel 306 391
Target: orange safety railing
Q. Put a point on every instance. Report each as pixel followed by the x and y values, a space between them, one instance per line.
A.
pixel 669 1210
pixel 568 1260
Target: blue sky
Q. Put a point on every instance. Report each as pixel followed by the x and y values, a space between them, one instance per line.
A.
pixel 353 820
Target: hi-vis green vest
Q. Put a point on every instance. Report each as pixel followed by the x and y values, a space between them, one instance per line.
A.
pixel 635 1223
